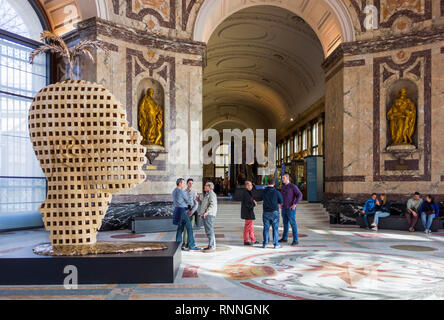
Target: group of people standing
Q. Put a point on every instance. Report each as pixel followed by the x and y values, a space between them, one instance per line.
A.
pixel 427 209
pixel 186 215
pixel 273 200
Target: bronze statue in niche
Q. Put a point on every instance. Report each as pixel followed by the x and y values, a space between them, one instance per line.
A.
pixel 150 120
pixel 402 117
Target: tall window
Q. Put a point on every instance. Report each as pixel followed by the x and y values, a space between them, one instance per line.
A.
pixel 288 149
pixel 305 139
pixel 295 144
pixel 277 154
pixel 300 141
pixel 315 137
pixel 282 152
pixel 223 160
pixel 22 183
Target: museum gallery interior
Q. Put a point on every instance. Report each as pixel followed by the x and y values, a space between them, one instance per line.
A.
pixel 105 104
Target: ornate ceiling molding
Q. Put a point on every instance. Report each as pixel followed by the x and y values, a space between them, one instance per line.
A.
pixel 281 89
pixel 292 63
pixel 64 14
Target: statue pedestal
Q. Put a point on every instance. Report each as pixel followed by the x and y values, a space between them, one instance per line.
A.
pixel 154 148
pixel 153 151
pixel 401 147
pixel 401 151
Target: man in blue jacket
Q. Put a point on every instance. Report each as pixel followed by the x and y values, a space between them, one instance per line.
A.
pixel 181 216
pixel 370 209
pixel 272 199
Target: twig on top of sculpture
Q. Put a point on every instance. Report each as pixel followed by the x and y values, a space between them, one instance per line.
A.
pixel 55 44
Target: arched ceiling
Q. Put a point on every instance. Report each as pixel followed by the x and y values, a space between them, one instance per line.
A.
pixel 64 14
pixel 330 19
pixel 263 67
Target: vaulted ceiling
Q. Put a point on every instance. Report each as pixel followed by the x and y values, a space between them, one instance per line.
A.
pixel 263 68
pixel 64 14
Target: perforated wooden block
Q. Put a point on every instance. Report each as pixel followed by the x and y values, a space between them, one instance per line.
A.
pixel 87 151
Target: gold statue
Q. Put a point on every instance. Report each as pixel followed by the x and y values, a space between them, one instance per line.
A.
pixel 150 120
pixel 402 117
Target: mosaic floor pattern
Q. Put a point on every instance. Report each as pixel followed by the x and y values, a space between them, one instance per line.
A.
pixel 331 262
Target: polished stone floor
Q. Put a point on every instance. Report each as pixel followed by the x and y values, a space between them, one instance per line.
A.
pixel 331 262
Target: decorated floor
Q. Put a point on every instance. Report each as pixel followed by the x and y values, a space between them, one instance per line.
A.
pixel 331 262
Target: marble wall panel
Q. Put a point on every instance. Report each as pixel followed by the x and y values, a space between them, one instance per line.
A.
pixel 176 67
pixel 334 124
pixel 171 18
pixel 365 125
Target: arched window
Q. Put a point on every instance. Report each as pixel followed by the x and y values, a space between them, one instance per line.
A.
pixel 315 139
pixel 223 160
pixel 22 183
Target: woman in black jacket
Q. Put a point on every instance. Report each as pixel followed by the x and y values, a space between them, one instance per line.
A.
pixel 247 214
pixel 382 211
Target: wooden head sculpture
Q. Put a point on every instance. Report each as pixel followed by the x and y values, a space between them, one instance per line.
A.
pixel 87 152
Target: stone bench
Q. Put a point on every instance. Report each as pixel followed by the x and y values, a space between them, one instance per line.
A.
pixel 121 215
pixel 399 222
pixel 348 212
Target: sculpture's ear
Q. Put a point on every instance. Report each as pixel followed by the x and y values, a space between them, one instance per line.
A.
pixel 64 154
pixel 73 153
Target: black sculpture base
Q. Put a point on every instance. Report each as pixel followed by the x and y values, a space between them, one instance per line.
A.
pixel 23 267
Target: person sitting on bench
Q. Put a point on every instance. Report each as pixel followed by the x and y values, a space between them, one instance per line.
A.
pixel 369 209
pixel 428 210
pixel 382 211
pixel 412 213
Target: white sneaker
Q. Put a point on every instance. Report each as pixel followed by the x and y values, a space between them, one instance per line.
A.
pixel 426 232
pixel 375 228
pixel 374 224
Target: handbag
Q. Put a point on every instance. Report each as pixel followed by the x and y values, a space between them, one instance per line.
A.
pixel 428 208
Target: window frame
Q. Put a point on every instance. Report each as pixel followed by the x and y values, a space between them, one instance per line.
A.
pixel 315 139
pixel 31 44
pixel 226 166
pixel 305 133
pixel 288 149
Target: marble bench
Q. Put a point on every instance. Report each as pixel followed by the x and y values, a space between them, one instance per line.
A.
pixel 399 222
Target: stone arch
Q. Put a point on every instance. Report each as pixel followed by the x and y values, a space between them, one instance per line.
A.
pixel 239 123
pixel 329 19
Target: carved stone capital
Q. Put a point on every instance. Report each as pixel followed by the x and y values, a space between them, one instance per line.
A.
pixel 153 151
pixel 152 155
